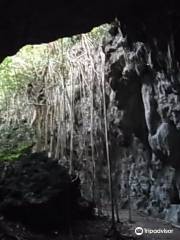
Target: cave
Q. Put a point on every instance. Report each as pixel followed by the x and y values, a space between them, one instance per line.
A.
pixel 141 101
pixel 32 22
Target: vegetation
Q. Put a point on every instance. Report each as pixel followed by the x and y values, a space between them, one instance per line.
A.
pixel 13 154
pixel 15 141
pixel 41 84
pixel 58 90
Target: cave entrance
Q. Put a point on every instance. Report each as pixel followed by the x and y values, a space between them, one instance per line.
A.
pixel 52 99
pixel 79 100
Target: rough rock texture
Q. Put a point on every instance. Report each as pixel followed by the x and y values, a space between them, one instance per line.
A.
pixel 144 73
pixel 142 68
pixel 39 193
pixel 23 22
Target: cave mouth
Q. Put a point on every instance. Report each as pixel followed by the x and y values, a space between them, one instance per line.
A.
pixel 26 86
pixel 49 97
pixel 94 103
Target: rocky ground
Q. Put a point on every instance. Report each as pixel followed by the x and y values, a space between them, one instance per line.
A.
pixel 96 229
pixel 81 230
pixel 37 193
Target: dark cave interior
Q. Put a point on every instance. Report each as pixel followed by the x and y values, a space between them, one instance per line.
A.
pixel 142 57
pixel 35 22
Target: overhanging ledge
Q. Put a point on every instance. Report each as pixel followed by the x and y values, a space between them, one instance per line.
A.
pixel 31 22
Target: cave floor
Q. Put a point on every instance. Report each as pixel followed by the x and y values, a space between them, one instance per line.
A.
pixel 141 220
pixel 96 229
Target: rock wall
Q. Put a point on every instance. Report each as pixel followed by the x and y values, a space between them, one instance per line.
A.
pixel 143 71
pixel 142 68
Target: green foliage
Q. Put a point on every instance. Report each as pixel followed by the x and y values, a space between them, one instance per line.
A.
pixel 10 154
pixel 28 64
pixel 17 71
pixel 14 141
pixel 98 33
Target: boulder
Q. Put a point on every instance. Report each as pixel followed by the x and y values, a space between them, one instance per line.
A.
pixel 38 192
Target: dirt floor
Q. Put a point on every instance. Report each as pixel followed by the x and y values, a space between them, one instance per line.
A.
pixel 97 229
